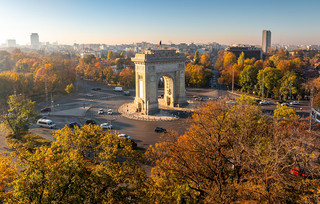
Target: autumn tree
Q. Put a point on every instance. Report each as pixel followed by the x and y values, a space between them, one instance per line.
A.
pixel 289 85
pixel 127 77
pixel 84 165
pixel 284 113
pixel 205 60
pixel 241 59
pixel 197 75
pixel 70 88
pixel 20 114
pixel 231 154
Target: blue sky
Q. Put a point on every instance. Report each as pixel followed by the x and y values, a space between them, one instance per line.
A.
pixel 129 21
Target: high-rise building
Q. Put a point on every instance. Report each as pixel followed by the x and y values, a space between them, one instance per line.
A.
pixel 34 40
pixel 266 40
pixel 11 43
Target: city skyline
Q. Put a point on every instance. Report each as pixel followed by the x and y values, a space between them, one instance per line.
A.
pixel 126 22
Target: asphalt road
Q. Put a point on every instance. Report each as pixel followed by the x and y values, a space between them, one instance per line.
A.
pixel 141 132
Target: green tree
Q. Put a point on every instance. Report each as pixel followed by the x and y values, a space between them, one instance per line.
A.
pixel 248 78
pixel 241 59
pixel 271 78
pixel 20 114
pixel 289 84
pixel 196 57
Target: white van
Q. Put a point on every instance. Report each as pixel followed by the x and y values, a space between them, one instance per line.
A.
pixel 118 88
pixel 46 123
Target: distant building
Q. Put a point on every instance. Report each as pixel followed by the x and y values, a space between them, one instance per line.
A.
pixel 11 43
pixel 249 51
pixel 35 44
pixel 266 40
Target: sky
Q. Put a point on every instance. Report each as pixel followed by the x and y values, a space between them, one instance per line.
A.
pixel 295 22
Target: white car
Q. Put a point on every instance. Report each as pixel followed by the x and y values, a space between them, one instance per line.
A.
pixel 264 102
pixel 294 103
pixel 109 112
pixel 106 126
pixel 230 102
pixel 285 104
pixel 89 95
pixel 124 136
pixel 100 111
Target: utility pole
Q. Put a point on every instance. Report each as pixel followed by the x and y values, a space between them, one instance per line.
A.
pixel 311 101
pixel 262 87
pixel 46 90
pixel 232 79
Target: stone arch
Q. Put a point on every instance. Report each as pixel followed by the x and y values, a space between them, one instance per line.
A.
pixel 149 68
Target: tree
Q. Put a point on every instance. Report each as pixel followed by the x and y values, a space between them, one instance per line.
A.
pixel 7 175
pixel 110 55
pixel 20 114
pixel 231 155
pixel 196 57
pixel 228 59
pixel 248 78
pixel 205 60
pixel 84 165
pixel 197 75
pixel 127 77
pixel 289 85
pixel 70 88
pixel 284 113
pixel 241 59
pixel 271 80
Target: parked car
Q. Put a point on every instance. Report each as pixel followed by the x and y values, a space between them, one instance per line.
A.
pixel 100 111
pixel 44 110
pixel 46 123
pixel 127 137
pixel 264 102
pixel 124 136
pixel 106 126
pixel 109 112
pixel 159 129
pixel 285 104
pixel 126 93
pixel 118 89
pixel 73 125
pixel 294 103
pixel 258 100
pixel 96 89
pixel 92 122
pixel 89 95
pixel 230 102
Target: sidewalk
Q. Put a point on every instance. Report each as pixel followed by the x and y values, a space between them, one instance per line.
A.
pixel 128 110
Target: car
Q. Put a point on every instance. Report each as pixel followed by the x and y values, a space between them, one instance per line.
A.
pixel 124 136
pixel 285 104
pixel 126 93
pixel 160 96
pixel 46 123
pixel 159 129
pixel 44 110
pixel 213 98
pixel 230 102
pixel 127 137
pixel 73 125
pixel 92 122
pixel 96 89
pixel 298 172
pixel 264 102
pixel 109 112
pixel 199 99
pixel 100 111
pixel 294 103
pixel 106 126
pixel 89 95
pixel 258 100
pixel 118 89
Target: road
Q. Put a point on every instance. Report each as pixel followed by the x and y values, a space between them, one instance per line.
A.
pixel 141 132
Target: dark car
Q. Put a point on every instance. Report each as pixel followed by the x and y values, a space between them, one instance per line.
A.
pixel 73 125
pixel 92 122
pixel 159 129
pixel 43 110
pixel 96 89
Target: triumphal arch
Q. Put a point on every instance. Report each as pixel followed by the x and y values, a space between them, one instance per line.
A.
pixel 150 67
